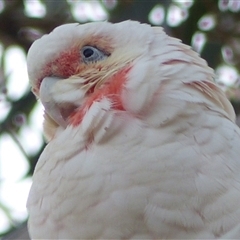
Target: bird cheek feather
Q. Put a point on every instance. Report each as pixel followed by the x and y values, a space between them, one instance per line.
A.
pixel 112 89
pixel 139 91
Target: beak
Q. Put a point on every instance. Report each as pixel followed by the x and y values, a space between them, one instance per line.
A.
pixel 51 107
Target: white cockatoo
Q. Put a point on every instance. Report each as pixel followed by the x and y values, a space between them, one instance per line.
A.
pixel 142 143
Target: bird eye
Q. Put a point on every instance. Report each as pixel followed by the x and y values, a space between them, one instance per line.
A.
pixel 91 54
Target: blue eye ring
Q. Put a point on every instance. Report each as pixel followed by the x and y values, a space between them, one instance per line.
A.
pixel 90 54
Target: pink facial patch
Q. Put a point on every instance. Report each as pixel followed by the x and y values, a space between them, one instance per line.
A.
pixel 112 89
pixel 64 66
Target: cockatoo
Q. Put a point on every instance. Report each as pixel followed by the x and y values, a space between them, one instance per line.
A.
pixel 142 143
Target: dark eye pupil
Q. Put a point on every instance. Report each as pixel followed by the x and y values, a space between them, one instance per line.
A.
pixel 88 52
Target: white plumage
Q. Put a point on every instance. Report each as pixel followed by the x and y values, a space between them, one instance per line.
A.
pixel 142 143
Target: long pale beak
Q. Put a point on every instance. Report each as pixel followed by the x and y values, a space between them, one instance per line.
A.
pixel 51 107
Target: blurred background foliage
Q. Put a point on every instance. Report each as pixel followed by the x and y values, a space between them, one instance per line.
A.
pixel 211 27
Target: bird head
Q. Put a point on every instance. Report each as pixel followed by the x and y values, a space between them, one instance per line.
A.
pixel 74 61
pixel 76 65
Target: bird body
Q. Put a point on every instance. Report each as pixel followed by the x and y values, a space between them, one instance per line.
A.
pixel 142 143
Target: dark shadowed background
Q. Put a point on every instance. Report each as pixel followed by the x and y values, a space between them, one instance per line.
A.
pixel 211 27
